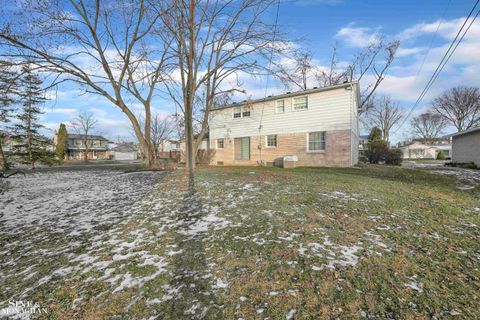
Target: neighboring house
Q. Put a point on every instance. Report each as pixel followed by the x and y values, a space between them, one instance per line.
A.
pixel 466 146
pixel 203 148
pixel 97 146
pixel 318 127
pixel 124 151
pixel 416 149
pixel 168 145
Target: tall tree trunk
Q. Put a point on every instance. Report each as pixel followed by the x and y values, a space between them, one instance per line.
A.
pixel 190 96
pixel 3 161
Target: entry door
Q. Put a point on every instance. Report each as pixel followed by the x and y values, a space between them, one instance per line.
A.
pixel 242 148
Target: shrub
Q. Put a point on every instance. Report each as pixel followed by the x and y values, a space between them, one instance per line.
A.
pixel 468 165
pixel 394 157
pixel 376 151
pixel 441 155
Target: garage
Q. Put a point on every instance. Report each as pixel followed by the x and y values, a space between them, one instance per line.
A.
pixel 124 152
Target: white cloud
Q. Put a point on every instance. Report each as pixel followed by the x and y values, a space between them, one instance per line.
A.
pixel 358 36
pixel 403 52
pixel 447 29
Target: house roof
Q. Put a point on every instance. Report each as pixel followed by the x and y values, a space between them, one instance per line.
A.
pixel 474 129
pixel 287 95
pixel 125 147
pixel 89 137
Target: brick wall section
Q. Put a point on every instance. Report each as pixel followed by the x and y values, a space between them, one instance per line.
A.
pixel 337 153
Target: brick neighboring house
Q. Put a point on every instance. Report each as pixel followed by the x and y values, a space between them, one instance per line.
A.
pixel 97 146
pixel 319 127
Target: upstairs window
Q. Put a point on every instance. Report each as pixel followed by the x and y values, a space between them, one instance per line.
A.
pixel 220 143
pixel 246 112
pixel 241 112
pixel 271 141
pixel 300 103
pixel 237 112
pixel 280 106
pixel 317 141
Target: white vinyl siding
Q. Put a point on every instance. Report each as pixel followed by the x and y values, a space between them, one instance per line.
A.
pixel 316 141
pixel 300 103
pixel 280 106
pixel 271 141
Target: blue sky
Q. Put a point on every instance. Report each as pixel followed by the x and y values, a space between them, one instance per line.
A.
pixel 350 24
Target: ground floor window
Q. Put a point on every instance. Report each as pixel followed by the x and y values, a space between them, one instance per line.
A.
pixel 272 141
pixel 317 141
pixel 220 143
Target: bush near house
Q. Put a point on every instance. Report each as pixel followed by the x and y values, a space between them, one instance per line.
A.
pixel 394 157
pixel 376 151
pixel 441 155
pixel 468 165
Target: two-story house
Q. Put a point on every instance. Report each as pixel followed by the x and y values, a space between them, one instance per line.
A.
pixel 318 127
pixel 97 146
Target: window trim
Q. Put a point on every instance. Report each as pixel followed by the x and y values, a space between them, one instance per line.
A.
pixel 308 143
pixel 243 109
pixel 223 142
pixel 266 141
pixel 293 103
pixel 276 106
pixel 240 113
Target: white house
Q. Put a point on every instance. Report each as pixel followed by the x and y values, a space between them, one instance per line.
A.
pixel 466 146
pixel 416 149
pixel 317 127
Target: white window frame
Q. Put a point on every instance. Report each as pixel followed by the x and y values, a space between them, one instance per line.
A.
pixel 266 141
pixel 234 109
pixel 223 142
pixel 308 143
pixel 243 109
pixel 276 106
pixel 293 103
pixel 246 109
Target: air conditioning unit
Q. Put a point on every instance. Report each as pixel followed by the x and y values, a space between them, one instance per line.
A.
pixel 290 162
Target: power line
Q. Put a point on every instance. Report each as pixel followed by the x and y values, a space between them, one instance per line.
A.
pixel 432 40
pixel 446 57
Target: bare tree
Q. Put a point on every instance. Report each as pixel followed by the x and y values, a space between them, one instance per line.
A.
pixel 109 48
pixel 373 60
pixel 215 41
pixel 296 72
pixel 459 106
pixel 83 124
pixel 162 129
pixel 384 114
pixel 428 126
pixel 332 75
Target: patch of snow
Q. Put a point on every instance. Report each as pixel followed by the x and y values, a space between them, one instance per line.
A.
pixel 291 314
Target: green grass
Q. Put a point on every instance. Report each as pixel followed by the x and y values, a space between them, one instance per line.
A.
pixel 317 243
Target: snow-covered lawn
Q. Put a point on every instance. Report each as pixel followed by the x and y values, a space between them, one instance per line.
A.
pixel 248 243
